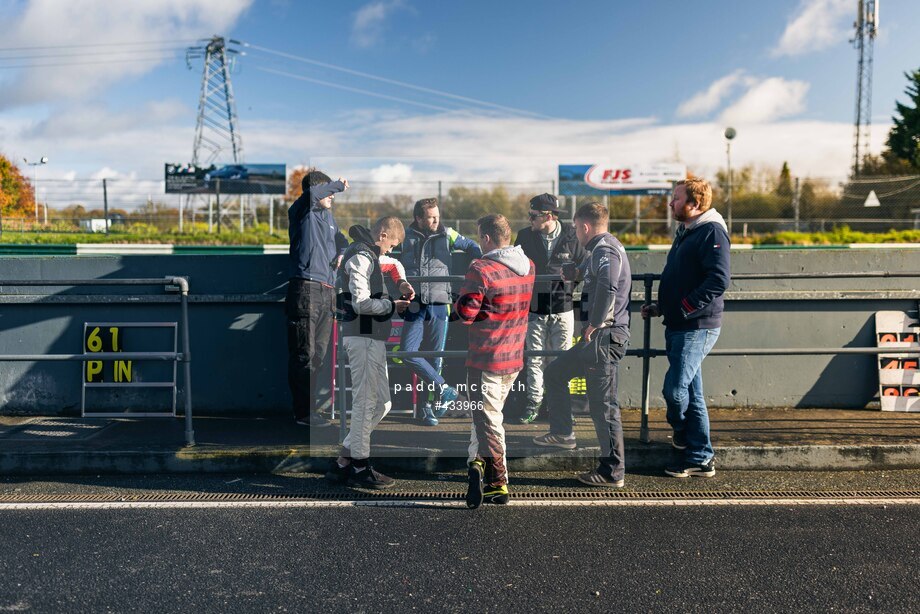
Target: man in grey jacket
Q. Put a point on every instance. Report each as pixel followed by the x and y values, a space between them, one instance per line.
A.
pixel 605 335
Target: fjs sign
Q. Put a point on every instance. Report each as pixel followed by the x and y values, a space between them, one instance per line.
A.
pixel 614 180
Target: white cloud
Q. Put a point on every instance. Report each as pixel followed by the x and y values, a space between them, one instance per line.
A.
pixel 766 101
pixel 708 100
pixel 392 173
pixel 94 120
pixel 369 21
pixel 816 25
pixel 94 22
pixel 420 149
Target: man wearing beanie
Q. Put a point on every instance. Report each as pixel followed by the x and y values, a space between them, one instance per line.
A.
pixel 551 245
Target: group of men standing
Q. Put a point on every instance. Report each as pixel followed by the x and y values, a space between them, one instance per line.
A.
pixel 508 310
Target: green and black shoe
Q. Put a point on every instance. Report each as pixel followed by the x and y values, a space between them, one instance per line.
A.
pixel 474 488
pixel 497 495
pixel 530 414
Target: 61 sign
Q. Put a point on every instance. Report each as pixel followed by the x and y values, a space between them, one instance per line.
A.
pixel 105 339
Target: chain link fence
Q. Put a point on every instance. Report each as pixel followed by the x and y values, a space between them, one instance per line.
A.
pixel 870 204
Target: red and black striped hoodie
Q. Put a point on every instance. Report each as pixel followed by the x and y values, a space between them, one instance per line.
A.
pixel 494 301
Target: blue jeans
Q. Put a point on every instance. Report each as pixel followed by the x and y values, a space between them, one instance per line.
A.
pixel 683 389
pixel 425 330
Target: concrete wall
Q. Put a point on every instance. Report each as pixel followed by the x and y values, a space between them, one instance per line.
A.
pixel 238 340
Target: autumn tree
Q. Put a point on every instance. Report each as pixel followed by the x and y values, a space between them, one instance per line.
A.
pixel 294 189
pixel 16 192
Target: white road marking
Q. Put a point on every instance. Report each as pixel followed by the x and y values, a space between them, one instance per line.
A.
pixel 123 505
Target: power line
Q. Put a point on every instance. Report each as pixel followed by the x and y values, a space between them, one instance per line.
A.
pixel 55 64
pixel 86 54
pixel 124 44
pixel 353 89
pixel 389 81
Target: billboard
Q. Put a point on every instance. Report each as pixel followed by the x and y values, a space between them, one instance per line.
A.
pixel 226 179
pixel 619 179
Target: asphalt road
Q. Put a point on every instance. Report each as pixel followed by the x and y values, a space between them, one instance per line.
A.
pixel 370 559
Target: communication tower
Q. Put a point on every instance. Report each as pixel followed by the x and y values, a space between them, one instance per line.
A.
pixel 866 25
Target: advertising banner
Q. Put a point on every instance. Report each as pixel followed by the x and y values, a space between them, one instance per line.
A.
pixel 226 179
pixel 619 179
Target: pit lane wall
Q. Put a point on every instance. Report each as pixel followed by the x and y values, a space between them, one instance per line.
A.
pixel 239 345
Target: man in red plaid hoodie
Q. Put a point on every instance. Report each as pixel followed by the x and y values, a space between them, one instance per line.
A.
pixel 495 302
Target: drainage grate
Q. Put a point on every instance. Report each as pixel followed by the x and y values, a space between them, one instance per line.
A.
pixel 457 496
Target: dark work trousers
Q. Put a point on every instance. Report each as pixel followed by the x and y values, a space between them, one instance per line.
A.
pixel 598 361
pixel 308 307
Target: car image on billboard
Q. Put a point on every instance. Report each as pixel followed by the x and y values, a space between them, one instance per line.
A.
pixel 225 179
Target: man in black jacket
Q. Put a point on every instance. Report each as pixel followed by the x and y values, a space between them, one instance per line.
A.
pixel 551 245
pixel 695 277
pixel 316 247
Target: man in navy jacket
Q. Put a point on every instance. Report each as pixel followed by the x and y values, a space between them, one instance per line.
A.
pixel 316 247
pixel 695 277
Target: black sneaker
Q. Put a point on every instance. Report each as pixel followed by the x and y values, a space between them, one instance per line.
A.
pixel 497 495
pixel 687 470
pixel 336 474
pixel 474 486
pixel 369 478
pixel 679 440
pixel 314 420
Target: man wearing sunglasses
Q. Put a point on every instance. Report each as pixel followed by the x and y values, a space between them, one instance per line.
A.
pixel 551 245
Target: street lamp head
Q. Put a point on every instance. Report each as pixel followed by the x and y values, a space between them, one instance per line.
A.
pixel 730 133
pixel 44 160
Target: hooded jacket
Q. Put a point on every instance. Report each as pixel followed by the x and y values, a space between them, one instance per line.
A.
pixel 495 302
pixel 314 236
pixel 696 275
pixel 552 296
pixel 362 304
pixel 608 281
pixel 428 255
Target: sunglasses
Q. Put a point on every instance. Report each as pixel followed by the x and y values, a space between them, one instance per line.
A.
pixel 535 216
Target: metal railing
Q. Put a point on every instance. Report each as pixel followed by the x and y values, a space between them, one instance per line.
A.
pixel 185 356
pixel 647 352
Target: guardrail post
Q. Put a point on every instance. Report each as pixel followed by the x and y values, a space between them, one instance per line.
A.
pixel 646 362
pixel 186 362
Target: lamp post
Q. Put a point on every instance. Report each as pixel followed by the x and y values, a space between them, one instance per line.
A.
pixel 35 166
pixel 730 133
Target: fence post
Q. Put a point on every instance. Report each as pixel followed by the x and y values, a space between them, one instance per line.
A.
pixel 186 364
pixel 105 204
pixel 242 208
pixel 439 193
pixel 210 214
pixel 638 213
pixel 271 215
pixel 796 203
pixel 217 199
pixel 646 362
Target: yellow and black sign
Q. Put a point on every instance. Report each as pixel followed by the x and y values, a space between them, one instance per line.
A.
pixel 105 339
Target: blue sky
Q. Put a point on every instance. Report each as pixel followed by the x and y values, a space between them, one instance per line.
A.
pixel 596 81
